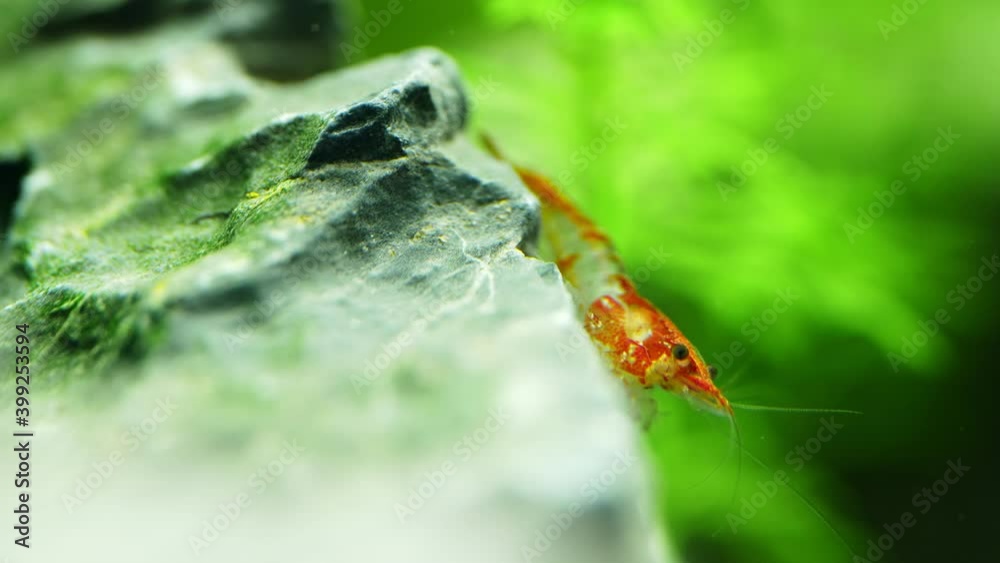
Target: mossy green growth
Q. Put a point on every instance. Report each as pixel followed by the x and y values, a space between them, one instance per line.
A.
pixel 130 189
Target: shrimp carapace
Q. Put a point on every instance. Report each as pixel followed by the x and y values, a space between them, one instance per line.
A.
pixel 642 344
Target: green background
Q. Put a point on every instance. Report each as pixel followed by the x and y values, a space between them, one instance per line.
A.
pixel 700 87
pixel 547 75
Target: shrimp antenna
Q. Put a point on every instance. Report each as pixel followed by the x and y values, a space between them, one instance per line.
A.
pixel 751 407
pixel 491 146
pixel 721 464
pixel 812 507
pixel 738 441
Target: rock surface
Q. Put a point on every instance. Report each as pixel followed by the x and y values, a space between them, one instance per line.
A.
pixel 274 39
pixel 296 323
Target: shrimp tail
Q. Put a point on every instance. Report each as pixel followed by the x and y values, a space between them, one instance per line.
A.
pixel 583 253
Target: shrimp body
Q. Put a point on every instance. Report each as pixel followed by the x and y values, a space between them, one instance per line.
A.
pixel 642 345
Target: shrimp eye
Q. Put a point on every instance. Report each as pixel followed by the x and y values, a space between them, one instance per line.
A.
pixel 680 352
pixel 713 371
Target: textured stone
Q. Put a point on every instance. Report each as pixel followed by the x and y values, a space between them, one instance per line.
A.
pixel 240 270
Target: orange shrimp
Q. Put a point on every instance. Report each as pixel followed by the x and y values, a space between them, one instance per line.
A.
pixel 642 344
